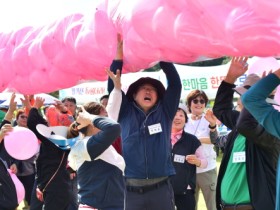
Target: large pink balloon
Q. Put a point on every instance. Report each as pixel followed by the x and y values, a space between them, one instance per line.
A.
pixel 81 44
pixel 248 33
pixel 263 64
pixel 19 186
pixel 266 9
pixel 20 58
pixel 7 75
pixel 21 143
pixel 94 50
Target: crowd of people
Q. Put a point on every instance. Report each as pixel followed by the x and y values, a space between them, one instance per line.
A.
pixel 144 150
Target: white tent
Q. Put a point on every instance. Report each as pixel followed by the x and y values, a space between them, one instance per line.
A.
pixel 6 96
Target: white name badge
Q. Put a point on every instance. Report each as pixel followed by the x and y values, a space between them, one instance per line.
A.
pixel 179 158
pixel 156 128
pixel 239 157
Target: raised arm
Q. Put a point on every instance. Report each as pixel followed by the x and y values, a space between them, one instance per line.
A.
pixel 252 130
pixel 117 64
pixel 35 118
pixel 115 98
pixel 174 87
pixel 10 113
pixel 255 101
pixel 223 106
pixel 6 123
pixel 99 142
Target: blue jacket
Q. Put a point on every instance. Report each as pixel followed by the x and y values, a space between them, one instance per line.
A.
pixel 149 156
pixel 254 101
pixel 101 184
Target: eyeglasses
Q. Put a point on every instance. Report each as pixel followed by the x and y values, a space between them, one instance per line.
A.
pixel 201 101
pixel 23 117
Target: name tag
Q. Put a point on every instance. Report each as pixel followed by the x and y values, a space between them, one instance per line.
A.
pixel 156 128
pixel 179 158
pixel 239 157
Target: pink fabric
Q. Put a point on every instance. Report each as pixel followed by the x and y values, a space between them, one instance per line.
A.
pixel 200 155
pixel 85 207
pixel 175 136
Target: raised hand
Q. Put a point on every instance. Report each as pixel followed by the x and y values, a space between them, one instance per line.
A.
pixel 12 107
pixel 210 117
pixel 39 102
pixel 26 101
pixel 119 53
pixel 5 130
pixel 60 106
pixel 116 78
pixel 13 103
pixel 84 118
pixel 277 73
pixel 237 68
pixel 265 73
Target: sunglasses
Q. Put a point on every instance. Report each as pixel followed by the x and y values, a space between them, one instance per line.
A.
pixel 23 117
pixel 201 101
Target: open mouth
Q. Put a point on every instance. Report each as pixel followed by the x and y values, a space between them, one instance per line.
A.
pixel 177 122
pixel 147 99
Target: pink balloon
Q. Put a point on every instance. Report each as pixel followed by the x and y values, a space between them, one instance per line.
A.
pixel 7 74
pixel 103 25
pixel 21 143
pixel 37 57
pixel 178 4
pixel 80 45
pixel 93 50
pixel 4 38
pixel 17 36
pixel 54 38
pixel 67 60
pixel 163 19
pixel 248 33
pixel 189 31
pixel 20 58
pixel 263 64
pixel 55 79
pixel 138 54
pixel 19 186
pixel 266 9
pixel 145 7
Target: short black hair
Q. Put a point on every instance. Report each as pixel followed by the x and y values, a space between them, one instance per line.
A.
pixel 70 99
pixel 185 114
pixel 104 96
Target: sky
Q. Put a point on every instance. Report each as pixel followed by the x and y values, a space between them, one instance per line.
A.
pixel 15 14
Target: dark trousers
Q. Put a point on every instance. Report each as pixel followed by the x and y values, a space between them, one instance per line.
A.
pixel 28 183
pixel 54 199
pixel 159 198
pixel 74 204
pixel 185 201
pixel 35 204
